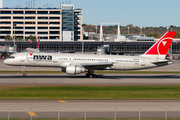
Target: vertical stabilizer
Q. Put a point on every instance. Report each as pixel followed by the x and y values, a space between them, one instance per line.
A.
pixel 161 47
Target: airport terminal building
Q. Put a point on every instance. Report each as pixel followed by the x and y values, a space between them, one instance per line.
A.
pixel 115 48
pixel 60 29
pixel 50 24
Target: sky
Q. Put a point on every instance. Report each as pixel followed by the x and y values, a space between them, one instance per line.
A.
pixel 142 13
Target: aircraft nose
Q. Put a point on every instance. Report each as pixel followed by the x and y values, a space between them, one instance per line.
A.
pixel 5 61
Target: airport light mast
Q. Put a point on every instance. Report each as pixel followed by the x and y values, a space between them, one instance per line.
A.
pixel 167 29
pixel 140 30
pixel 14 26
pixel 83 40
pixel 128 30
pixel 171 56
pixel 96 29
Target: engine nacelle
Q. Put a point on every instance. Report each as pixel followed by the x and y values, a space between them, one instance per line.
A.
pixel 74 69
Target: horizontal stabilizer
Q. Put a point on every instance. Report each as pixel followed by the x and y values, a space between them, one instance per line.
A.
pixel 162 63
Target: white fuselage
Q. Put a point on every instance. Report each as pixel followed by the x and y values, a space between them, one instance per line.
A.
pixel 62 60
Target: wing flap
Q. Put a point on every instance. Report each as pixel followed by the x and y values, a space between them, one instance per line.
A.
pixel 97 64
pixel 100 65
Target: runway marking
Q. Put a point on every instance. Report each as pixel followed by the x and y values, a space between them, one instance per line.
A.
pixel 62 101
pixel 33 114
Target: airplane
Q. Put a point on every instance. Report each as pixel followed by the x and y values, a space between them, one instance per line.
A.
pixel 74 64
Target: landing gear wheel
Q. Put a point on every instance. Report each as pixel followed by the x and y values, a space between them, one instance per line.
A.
pixel 88 75
pixel 94 76
pixel 91 75
pixel 24 74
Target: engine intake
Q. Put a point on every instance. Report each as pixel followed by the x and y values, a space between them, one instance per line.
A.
pixel 74 69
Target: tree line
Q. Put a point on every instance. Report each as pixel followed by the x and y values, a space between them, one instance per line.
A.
pixel 156 32
pixel 31 38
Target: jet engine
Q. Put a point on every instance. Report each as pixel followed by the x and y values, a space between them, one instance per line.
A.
pixel 74 69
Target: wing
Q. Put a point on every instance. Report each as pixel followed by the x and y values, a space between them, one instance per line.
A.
pixel 96 66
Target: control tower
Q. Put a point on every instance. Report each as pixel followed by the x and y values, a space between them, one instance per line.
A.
pixel 1 3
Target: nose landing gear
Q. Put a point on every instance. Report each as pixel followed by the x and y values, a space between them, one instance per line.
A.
pixel 24 71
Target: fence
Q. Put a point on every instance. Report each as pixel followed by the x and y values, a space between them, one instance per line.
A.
pixel 88 115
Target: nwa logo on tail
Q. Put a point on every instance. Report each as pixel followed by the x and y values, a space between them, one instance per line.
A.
pixel 162 46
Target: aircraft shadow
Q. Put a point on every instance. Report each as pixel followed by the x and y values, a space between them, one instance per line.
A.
pixel 100 76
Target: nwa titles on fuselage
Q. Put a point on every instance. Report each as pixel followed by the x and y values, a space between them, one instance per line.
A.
pixel 39 57
pixel 77 63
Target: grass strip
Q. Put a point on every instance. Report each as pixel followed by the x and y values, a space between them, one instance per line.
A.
pixel 91 93
pixel 97 72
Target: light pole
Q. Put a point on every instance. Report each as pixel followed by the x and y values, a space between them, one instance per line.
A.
pixel 14 25
pixel 171 55
pixel 83 39
pixel 167 29
pixel 128 30
pixel 171 27
pixel 96 29
pixel 140 30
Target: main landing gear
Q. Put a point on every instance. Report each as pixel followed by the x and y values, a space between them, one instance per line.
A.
pixel 24 71
pixel 91 74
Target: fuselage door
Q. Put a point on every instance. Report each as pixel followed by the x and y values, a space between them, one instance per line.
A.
pixel 22 59
pixel 113 61
pixel 55 60
pixel 143 62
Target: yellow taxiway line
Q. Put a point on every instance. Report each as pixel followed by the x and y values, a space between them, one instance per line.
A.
pixel 62 101
pixel 33 114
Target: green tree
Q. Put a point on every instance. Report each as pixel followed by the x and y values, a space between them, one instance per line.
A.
pixel 8 38
pixel 20 39
pixel 148 31
pixel 16 38
pixel 177 35
pixel 32 38
pixel 156 35
pixel 27 38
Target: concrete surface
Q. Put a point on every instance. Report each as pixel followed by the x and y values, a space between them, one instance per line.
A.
pixel 106 79
pixel 92 108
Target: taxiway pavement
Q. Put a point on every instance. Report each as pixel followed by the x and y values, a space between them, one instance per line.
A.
pixel 93 108
pixel 102 79
pixel 76 109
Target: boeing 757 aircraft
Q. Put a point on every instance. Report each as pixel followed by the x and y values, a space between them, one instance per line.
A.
pixel 77 63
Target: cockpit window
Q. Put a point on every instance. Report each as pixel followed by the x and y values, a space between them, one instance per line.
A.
pixel 12 57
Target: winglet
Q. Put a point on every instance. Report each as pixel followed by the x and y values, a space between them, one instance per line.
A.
pixel 162 46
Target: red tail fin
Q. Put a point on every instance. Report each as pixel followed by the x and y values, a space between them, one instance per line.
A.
pixel 162 46
pixel 38 43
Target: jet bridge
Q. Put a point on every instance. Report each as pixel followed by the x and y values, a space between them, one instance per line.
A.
pixel 103 50
pixel 6 50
